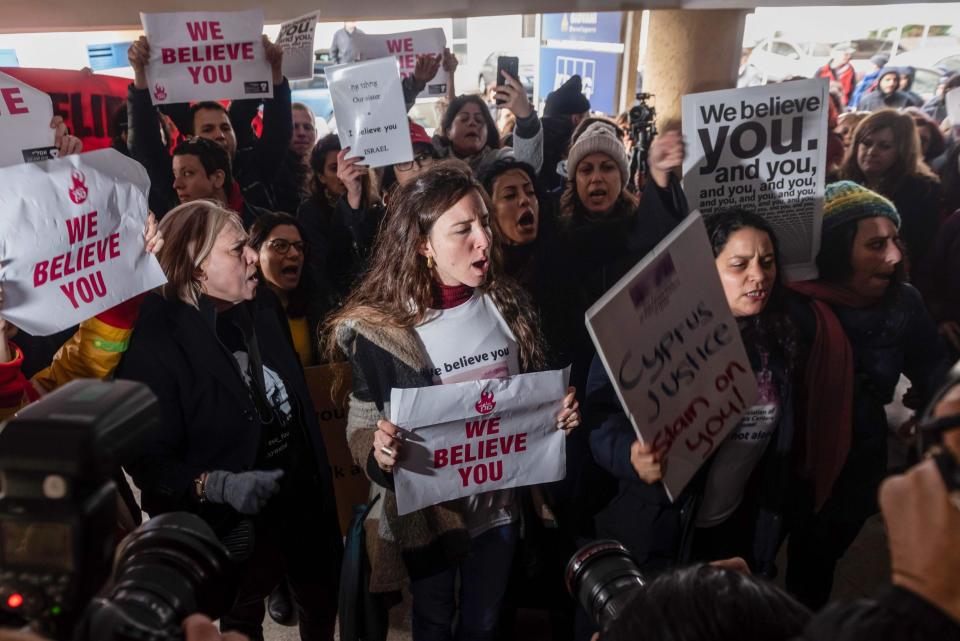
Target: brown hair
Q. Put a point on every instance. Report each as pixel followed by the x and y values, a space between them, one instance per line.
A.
pixel 189 232
pixel 909 160
pixel 397 289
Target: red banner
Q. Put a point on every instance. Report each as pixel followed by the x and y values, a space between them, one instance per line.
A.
pixel 87 101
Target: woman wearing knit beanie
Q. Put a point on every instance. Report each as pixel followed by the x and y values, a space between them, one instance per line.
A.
pixel 886 157
pixel 864 327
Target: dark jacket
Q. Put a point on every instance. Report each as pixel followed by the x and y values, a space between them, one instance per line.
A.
pixel 257 160
pixel 340 239
pixel 918 203
pixel 557 131
pixel 659 532
pixel 877 100
pixel 210 421
pixel 939 278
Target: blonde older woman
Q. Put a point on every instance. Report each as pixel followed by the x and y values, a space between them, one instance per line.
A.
pixel 238 442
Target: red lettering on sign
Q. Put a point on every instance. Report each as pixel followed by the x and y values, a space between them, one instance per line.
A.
pixel 204 30
pixel 13 100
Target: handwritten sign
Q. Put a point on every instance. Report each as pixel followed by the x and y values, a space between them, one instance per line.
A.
pixel 296 39
pixel 71 239
pixel 206 56
pixel 370 110
pixel 25 115
pixel 405 47
pixel 680 370
pixel 763 149
pixel 466 438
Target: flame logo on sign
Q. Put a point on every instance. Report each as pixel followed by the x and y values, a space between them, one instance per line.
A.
pixel 160 93
pixel 78 193
pixel 486 403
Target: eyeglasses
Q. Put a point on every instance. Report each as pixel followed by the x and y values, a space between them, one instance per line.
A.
pixel 418 160
pixel 282 246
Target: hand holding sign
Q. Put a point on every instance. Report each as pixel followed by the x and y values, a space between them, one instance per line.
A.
pixel 274 55
pixel 139 56
pixel 386 445
pixel 426 69
pixel 351 173
pixel 65 143
pixel 646 462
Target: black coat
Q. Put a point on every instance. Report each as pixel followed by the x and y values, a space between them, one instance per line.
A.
pixel 209 418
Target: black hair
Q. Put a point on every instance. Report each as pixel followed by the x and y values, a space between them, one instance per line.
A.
pixel 723 224
pixel 502 166
pixel 204 104
pixel 300 297
pixel 708 603
pixel 318 158
pixel 836 247
pixel 458 103
pixel 389 177
pixel 211 155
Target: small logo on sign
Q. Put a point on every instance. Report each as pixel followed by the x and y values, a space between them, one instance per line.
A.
pixel 256 87
pixel 159 93
pixel 78 193
pixel 486 403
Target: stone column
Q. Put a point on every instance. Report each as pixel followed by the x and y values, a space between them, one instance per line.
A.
pixel 689 51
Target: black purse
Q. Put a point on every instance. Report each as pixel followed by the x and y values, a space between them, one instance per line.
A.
pixel 362 616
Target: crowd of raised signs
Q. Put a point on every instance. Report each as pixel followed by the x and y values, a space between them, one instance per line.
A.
pixel 478 259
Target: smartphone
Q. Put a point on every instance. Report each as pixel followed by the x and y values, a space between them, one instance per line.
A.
pixel 510 64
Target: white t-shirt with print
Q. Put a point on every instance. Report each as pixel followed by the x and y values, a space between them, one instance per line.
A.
pixel 470 342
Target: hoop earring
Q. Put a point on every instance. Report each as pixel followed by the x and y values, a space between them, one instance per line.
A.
pixel 429 262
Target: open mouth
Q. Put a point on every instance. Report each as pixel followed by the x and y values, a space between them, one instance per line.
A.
pixel 481 265
pixel 290 270
pixel 757 294
pixel 253 278
pixel 597 194
pixel 527 219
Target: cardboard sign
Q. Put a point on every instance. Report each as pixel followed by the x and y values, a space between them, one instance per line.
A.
pixel 296 39
pixel 467 438
pixel 71 239
pixel 87 101
pixel 673 352
pixel 763 149
pixel 25 115
pixel 206 56
pixel 371 114
pixel 405 47
pixel 350 484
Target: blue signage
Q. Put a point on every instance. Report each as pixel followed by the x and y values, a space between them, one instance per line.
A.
pixel 8 58
pixel 599 71
pixel 597 26
pixel 108 56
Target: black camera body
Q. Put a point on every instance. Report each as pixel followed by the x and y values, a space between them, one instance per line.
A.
pixel 58 525
pixel 643 129
pixel 58 510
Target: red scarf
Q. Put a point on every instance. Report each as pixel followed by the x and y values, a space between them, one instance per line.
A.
pixel 829 377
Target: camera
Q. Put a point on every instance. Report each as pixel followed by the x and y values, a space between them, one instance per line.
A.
pixel 643 129
pixel 602 577
pixel 58 524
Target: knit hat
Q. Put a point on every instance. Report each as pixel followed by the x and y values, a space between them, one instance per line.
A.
pixel 602 137
pixel 567 99
pixel 880 59
pixel 846 201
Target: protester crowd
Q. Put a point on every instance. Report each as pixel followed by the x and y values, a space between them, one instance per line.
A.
pixel 281 253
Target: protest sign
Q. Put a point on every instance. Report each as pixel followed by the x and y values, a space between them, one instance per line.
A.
pixel 71 239
pixel 763 149
pixel 200 55
pixel 296 39
pixel 466 438
pixel 405 47
pixel 673 352
pixel 86 101
pixel 953 107
pixel 25 115
pixel 350 484
pixel 370 111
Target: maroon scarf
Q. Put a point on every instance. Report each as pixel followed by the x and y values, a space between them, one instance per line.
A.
pixel 829 379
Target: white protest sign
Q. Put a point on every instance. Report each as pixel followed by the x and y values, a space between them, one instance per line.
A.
pixel 405 47
pixel 296 39
pixel 206 56
pixel 953 107
pixel 71 239
pixel 25 115
pixel 466 438
pixel 370 110
pixel 763 149
pixel 673 352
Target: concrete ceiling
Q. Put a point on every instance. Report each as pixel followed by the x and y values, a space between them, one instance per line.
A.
pixel 21 16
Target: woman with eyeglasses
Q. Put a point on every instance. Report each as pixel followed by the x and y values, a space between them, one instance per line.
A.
pixel 278 240
pixel 885 157
pixel 239 443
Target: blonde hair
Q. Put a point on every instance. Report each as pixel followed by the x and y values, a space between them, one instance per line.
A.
pixel 190 231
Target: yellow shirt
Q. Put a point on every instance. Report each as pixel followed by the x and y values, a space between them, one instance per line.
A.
pixel 302 340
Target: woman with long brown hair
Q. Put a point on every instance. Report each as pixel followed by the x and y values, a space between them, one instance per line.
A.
pixel 434 291
pixel 886 158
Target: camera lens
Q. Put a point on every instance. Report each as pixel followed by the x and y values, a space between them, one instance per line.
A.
pixel 171 567
pixel 602 576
